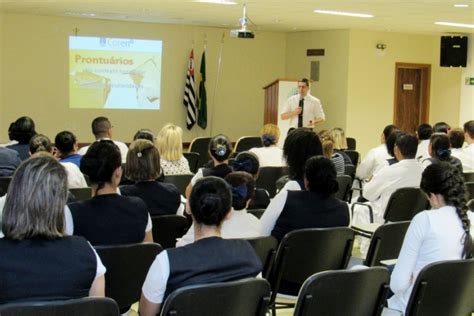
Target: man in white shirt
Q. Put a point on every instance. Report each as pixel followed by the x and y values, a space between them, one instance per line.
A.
pixel 102 129
pixel 423 133
pixel 406 173
pixel 466 155
pixel 376 157
pixel 302 109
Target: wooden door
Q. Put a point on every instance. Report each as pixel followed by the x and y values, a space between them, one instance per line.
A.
pixel 412 89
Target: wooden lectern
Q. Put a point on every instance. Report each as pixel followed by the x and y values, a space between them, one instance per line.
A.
pixel 276 94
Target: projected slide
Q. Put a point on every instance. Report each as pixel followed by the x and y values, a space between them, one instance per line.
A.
pixel 114 73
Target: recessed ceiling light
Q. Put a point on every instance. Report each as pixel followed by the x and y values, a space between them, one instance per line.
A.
pixel 225 2
pixel 461 5
pixel 471 26
pixel 357 15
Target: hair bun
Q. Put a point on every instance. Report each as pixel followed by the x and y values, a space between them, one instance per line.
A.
pixel 209 204
pixel 220 150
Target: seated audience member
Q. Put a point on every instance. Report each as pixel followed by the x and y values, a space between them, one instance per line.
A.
pixel 300 145
pixel 220 149
pixel 340 143
pixel 9 161
pixel 143 167
pixel 21 131
pixel 102 130
pixel 443 233
pixel 328 152
pixel 439 150
pixel 423 132
pixel 66 144
pixel 390 144
pixel 270 155
pixel 75 178
pixel 38 261
pixel 376 157
pixel 209 259
pixel 239 223
pixel 108 218
pixel 170 146
pixel 405 173
pixel 456 139
pixel 441 127
pixel 314 207
pixel 144 134
pixel 466 155
pixel 248 162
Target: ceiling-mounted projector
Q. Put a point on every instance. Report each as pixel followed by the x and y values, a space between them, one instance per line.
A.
pixel 243 32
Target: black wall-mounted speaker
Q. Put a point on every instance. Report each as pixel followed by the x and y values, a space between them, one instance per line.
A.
pixel 453 51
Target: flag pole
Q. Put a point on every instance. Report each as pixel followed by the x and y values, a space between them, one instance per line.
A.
pixel 211 119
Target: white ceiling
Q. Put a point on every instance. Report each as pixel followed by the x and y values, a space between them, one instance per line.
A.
pixel 415 16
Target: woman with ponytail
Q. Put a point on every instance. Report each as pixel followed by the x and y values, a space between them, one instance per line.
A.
pixel 270 155
pixel 220 149
pixel 108 218
pixel 440 150
pixel 314 207
pixel 209 259
pixel 442 233
pixel 240 224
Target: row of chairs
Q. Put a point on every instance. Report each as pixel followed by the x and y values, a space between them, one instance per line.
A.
pixel 200 145
pixel 335 292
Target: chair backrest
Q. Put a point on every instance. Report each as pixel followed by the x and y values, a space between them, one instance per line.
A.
pixel 91 306
pixel 345 184
pixel 257 212
pixel 247 142
pixel 304 252
pixel 443 288
pixel 249 297
pixel 193 160
pixel 181 181
pixel 267 177
pixel 166 228
pixel 200 145
pixel 260 199
pixel 386 243
pixel 470 190
pixel 81 194
pixel 265 248
pixel 351 143
pixel 4 184
pixel 468 176
pixel 127 267
pixel 350 292
pixel 350 170
pixel 404 204
pixel 354 155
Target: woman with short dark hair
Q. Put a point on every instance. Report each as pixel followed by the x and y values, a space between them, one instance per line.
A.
pixel 314 207
pixel 21 131
pixel 143 167
pixel 108 218
pixel 38 261
pixel 209 259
